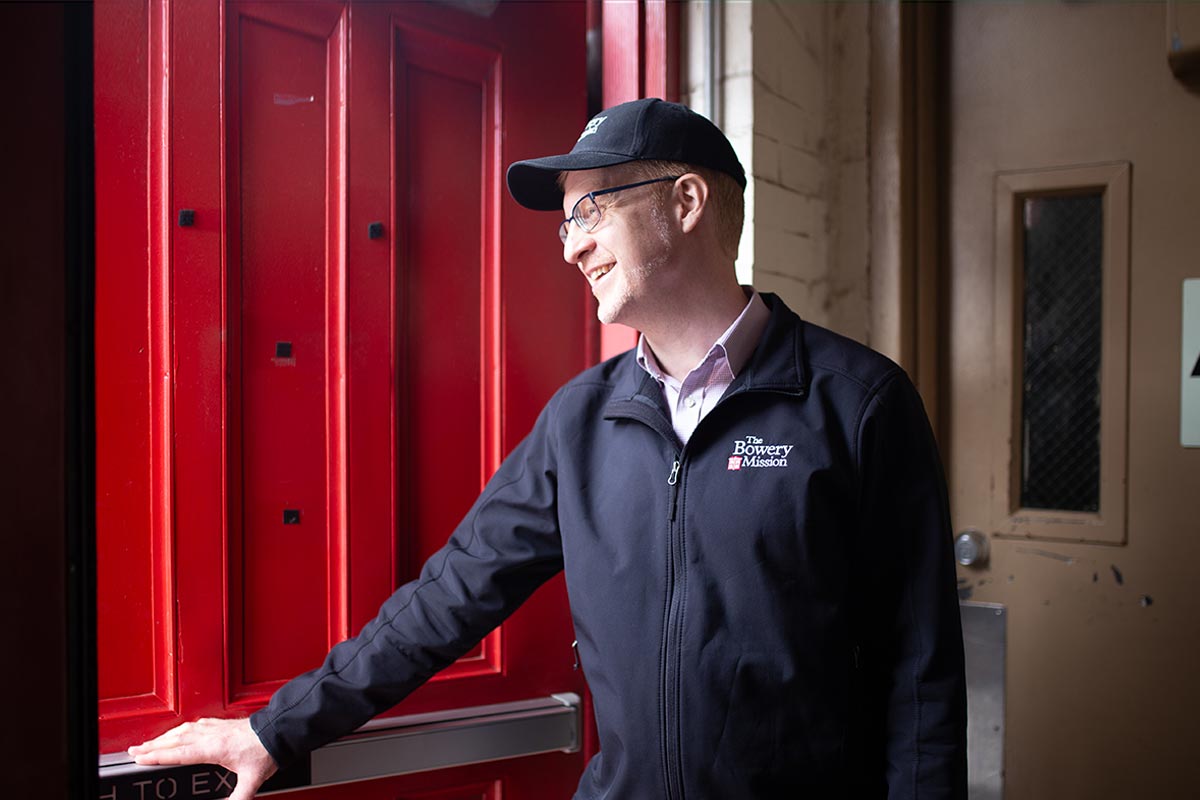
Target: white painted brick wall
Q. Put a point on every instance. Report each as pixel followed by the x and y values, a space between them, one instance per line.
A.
pixel 848 303
pixel 796 93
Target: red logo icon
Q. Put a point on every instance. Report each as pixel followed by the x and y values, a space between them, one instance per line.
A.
pixel 735 463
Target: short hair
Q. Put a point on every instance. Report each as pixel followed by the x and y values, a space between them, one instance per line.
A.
pixel 726 197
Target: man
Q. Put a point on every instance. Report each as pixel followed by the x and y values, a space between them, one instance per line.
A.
pixel 749 510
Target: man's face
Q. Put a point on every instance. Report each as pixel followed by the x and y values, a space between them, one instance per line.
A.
pixel 624 258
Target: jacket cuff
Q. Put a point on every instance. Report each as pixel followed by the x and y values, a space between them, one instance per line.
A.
pixel 276 747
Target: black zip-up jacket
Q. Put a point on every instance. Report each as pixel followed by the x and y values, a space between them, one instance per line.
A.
pixel 767 612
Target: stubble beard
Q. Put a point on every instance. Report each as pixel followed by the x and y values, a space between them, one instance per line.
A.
pixel 626 306
pixel 623 298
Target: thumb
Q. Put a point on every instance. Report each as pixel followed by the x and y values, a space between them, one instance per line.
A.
pixel 247 784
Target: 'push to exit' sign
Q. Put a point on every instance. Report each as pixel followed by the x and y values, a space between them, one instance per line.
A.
pixel 1189 404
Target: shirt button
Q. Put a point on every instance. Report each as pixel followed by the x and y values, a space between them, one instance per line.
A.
pixel 691 402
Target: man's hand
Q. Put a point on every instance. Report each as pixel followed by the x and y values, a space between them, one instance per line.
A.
pixel 231 743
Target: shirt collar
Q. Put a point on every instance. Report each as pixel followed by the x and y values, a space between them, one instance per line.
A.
pixel 736 344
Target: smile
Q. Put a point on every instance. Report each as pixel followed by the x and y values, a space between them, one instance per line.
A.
pixel 599 272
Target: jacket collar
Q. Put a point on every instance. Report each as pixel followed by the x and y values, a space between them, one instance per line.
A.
pixel 779 364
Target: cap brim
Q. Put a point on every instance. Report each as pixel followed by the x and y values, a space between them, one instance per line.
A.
pixel 534 183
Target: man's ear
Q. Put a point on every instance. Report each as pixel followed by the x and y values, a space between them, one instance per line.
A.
pixel 691 196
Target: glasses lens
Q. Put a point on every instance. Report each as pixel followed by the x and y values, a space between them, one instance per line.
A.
pixel 587 213
pixel 563 230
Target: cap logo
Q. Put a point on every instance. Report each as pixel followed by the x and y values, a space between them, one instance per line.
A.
pixel 591 127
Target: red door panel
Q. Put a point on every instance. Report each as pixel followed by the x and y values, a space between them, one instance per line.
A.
pixel 136 620
pixel 436 103
pixel 443 340
pixel 279 271
pixel 445 164
pixel 303 391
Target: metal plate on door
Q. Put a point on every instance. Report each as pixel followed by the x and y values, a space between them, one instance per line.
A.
pixel 984 636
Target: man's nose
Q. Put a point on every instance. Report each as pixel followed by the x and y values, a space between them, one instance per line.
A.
pixel 577 244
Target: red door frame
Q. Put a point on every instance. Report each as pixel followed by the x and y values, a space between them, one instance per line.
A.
pixel 640 59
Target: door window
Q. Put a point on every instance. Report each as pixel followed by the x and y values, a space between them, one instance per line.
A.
pixel 1062 275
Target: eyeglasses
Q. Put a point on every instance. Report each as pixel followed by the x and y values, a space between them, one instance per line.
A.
pixel 586 212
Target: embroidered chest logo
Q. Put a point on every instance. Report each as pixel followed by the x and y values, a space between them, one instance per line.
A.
pixel 590 128
pixel 753 452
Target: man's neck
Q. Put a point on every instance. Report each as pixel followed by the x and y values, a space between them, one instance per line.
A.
pixel 684 336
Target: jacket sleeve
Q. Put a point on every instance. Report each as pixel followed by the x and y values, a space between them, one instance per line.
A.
pixel 911 638
pixel 505 548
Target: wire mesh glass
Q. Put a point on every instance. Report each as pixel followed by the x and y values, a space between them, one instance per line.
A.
pixel 1060 452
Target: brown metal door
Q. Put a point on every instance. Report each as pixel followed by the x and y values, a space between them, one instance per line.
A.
pixel 1072 219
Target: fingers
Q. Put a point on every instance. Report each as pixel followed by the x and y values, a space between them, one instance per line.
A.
pixel 165 743
pixel 250 779
pixel 247 785
pixel 163 737
pixel 181 754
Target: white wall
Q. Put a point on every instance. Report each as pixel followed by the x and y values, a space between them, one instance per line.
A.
pixel 794 100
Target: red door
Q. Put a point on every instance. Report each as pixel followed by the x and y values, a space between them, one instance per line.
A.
pixel 321 323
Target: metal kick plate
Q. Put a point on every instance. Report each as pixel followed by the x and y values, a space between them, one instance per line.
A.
pixel 984 637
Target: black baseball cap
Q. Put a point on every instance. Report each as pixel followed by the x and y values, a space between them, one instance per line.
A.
pixel 641 130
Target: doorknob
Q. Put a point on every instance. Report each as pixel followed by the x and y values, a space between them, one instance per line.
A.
pixel 971 549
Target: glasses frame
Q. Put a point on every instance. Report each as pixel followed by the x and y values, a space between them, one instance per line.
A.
pixel 565 225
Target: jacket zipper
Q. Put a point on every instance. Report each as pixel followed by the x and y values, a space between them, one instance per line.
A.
pixel 672 630
pixel 672 756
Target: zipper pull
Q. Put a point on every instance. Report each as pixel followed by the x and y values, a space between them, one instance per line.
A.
pixel 671 481
pixel 575 651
